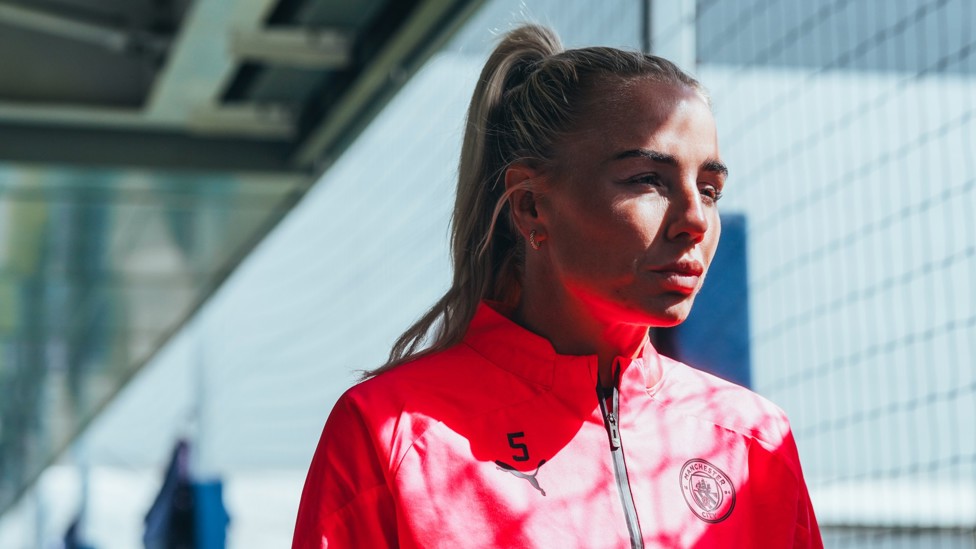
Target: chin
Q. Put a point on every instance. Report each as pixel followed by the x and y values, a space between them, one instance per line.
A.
pixel 658 311
pixel 667 321
pixel 655 318
pixel 669 317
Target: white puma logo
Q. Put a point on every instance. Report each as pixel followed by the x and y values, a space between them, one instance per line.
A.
pixel 502 466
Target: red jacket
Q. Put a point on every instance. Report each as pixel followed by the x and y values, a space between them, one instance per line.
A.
pixel 500 442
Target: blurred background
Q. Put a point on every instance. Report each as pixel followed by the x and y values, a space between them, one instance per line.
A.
pixel 215 213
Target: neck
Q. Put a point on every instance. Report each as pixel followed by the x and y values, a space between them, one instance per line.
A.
pixel 574 329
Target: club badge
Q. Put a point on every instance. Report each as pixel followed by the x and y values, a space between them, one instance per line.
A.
pixel 707 490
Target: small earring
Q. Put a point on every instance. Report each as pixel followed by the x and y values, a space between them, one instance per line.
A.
pixel 532 240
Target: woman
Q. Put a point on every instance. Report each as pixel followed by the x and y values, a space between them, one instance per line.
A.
pixel 539 415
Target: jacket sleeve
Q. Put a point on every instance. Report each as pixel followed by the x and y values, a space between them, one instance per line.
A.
pixel 807 530
pixel 346 501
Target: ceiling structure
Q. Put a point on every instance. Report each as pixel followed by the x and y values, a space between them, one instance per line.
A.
pixel 146 146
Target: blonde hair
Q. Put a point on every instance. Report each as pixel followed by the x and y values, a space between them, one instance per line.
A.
pixel 529 95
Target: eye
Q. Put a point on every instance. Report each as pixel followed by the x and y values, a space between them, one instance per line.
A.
pixel 647 179
pixel 711 193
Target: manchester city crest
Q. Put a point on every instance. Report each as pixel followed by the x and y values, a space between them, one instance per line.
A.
pixel 707 490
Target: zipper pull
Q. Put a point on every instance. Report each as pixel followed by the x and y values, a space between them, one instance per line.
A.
pixel 613 430
pixel 609 398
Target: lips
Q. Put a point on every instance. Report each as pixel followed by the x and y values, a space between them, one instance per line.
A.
pixel 682 276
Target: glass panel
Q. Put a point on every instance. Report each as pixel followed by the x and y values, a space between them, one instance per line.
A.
pixel 97 269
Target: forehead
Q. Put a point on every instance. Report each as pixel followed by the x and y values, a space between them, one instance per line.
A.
pixel 621 116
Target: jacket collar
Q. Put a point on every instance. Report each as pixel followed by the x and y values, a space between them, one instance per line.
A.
pixel 493 335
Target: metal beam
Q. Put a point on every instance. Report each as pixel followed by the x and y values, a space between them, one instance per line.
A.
pixel 76 115
pixel 246 120
pixel 144 149
pixel 199 62
pixel 300 48
pixel 111 38
pixel 249 121
pixel 385 72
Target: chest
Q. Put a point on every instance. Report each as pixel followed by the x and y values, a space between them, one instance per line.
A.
pixel 543 475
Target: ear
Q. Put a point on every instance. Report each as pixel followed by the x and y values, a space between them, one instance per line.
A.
pixel 522 184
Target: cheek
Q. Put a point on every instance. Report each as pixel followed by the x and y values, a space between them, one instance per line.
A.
pixel 583 238
pixel 611 237
pixel 635 225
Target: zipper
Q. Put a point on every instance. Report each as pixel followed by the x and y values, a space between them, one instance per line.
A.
pixel 611 420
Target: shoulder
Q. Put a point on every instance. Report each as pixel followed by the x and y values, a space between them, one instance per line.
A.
pixel 455 375
pixel 692 392
pixel 399 406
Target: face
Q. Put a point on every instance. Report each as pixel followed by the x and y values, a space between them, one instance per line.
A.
pixel 629 213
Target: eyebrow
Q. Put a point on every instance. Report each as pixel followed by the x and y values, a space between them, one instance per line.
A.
pixel 709 165
pixel 712 165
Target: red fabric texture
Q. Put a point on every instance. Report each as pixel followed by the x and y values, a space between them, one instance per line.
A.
pixel 456 449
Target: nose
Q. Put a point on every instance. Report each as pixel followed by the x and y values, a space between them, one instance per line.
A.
pixel 686 214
